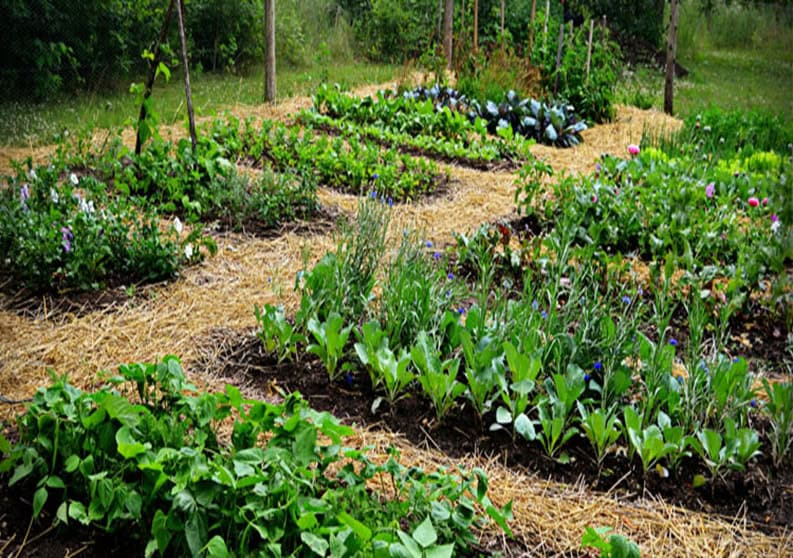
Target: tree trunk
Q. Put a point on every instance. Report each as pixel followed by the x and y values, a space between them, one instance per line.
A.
pixel 269 51
pixel 155 62
pixel 671 47
pixel 476 27
pixel 188 94
pixel 448 26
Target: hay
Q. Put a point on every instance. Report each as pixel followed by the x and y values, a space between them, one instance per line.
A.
pixel 184 316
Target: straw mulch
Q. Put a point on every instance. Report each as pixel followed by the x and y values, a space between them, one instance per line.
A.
pixel 180 317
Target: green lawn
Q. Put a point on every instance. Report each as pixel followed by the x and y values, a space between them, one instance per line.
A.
pixel 23 124
pixel 729 79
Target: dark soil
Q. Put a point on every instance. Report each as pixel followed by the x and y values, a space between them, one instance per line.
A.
pixel 764 495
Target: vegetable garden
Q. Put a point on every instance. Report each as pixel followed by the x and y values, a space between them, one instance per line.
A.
pixel 408 321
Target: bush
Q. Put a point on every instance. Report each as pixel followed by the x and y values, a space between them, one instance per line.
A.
pixel 68 235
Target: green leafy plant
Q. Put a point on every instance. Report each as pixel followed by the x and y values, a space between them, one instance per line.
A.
pixel 438 378
pixel 602 429
pixel 276 333
pixel 330 340
pixel 616 546
pixel 779 409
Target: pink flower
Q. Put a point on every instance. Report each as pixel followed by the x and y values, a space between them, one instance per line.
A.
pixel 754 202
pixel 594 198
pixel 765 201
pixel 633 149
pixel 710 189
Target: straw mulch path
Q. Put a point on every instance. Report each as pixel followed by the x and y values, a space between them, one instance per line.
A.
pixel 179 318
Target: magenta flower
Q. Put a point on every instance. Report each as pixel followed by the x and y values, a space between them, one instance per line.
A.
pixel 754 202
pixel 594 198
pixel 764 201
pixel 774 218
pixel 633 149
pixel 710 190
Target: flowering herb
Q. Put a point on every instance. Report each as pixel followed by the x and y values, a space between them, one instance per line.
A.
pixel 598 365
pixel 710 190
pixel 544 315
pixel 626 299
pixel 428 244
pixel 450 276
pixel 633 149
pixel 673 342
pixel 754 202
pixel 66 239
pixel 436 256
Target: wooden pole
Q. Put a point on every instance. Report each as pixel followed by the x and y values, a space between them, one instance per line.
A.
pixel 531 27
pixel 269 51
pixel 669 89
pixel 448 29
pixel 545 27
pixel 476 27
pixel 558 59
pixel 589 47
pixel 152 75
pixel 502 21
pixel 190 114
pixel 463 34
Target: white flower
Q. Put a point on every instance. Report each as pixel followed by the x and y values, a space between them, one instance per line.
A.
pixel 177 224
pixel 54 195
pixel 86 207
pixel 74 179
pixel 32 174
pixel 188 251
pixel 775 226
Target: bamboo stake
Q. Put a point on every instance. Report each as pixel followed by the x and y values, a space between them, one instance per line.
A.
pixel 152 75
pixel 476 27
pixel 669 90
pixel 190 114
pixel 531 27
pixel 269 51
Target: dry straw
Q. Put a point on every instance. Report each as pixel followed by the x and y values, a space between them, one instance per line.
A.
pixel 185 316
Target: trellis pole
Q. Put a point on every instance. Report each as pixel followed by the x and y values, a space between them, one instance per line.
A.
pixel 190 114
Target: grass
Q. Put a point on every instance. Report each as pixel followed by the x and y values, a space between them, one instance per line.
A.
pixel 729 79
pixel 26 124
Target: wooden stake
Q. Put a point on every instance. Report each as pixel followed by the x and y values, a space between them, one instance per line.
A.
pixel 589 46
pixel 476 27
pixel 269 51
pixel 155 62
pixel 558 59
pixel 531 26
pixel 502 21
pixel 190 115
pixel 669 89
pixel 547 15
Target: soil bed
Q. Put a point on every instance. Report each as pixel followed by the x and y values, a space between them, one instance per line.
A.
pixel 761 495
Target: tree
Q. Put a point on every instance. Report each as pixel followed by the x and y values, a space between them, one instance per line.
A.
pixel 448 26
pixel 269 51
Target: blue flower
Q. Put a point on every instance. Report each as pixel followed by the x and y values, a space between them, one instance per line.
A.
pixel 436 256
pixel 448 294
pixel 544 315
pixel 375 176
pixel 461 310
pixel 390 201
pixel 626 299
pixel 640 291
pixel 679 379
pixel 348 379
pixel 736 360
pixel 598 365
pixel 673 342
pixel 535 305
pixel 428 244
pixel 753 403
pixel 450 276
pixel 373 195
pixel 587 377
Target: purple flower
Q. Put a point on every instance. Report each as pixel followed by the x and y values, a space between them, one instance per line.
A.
pixel 66 239
pixel 710 189
pixel 450 276
pixel 24 193
pixel 598 365
pixel 626 299
pixel 673 342
pixel 390 201
pixel 640 291
pixel 774 218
